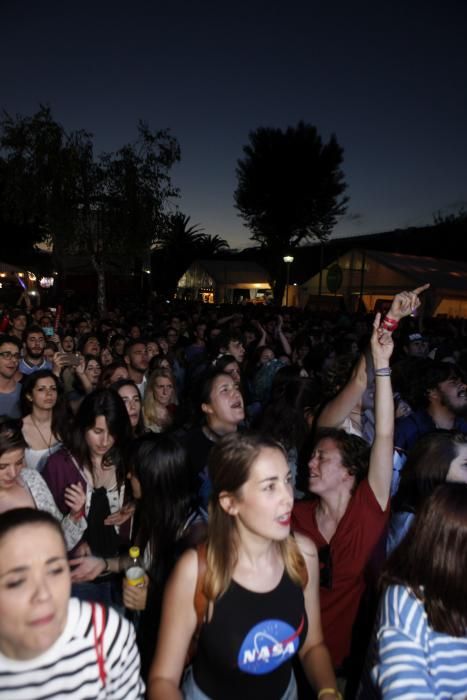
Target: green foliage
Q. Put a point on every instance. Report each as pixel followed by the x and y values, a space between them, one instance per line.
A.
pixel 290 186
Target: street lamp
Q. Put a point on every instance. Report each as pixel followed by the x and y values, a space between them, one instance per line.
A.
pixel 287 259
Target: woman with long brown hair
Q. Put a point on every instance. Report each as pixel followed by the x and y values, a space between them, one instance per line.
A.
pixel 44 416
pixel 422 634
pixel 257 586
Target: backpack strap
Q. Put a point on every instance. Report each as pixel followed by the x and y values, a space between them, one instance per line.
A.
pixel 99 639
pixel 200 601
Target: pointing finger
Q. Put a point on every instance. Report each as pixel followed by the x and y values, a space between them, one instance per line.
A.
pixel 421 289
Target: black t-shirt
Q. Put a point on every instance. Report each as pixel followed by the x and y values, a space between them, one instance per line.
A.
pixel 246 650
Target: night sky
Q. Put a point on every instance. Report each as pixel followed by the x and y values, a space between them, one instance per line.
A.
pixel 388 78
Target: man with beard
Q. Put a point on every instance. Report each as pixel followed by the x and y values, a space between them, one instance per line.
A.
pixel 137 361
pixel 439 402
pixel 33 351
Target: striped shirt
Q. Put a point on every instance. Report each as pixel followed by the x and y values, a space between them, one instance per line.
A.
pixel 69 669
pixel 414 661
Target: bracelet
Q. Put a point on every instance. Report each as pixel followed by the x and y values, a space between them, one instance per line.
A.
pixel 389 324
pixel 330 691
pixel 80 514
pixel 383 372
pixel 107 567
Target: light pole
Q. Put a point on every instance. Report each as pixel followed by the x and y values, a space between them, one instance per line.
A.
pixel 287 259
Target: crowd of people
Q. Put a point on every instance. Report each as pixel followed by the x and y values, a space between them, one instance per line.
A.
pixel 295 484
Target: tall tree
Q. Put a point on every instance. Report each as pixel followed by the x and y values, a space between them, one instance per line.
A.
pixel 106 206
pixel 212 246
pixel 176 248
pixel 290 190
pixel 178 245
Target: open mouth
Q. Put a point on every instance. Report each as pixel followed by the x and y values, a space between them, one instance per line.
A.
pixel 284 519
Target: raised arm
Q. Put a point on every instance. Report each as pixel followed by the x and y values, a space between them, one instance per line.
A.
pixel 380 471
pixel 283 340
pixel 337 410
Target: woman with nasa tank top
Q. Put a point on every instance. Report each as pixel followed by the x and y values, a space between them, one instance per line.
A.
pixel 262 594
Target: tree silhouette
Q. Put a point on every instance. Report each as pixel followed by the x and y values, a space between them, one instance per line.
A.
pixel 211 246
pixel 178 246
pixel 290 190
pixel 106 207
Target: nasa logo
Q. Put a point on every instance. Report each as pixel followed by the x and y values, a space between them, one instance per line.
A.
pixel 268 645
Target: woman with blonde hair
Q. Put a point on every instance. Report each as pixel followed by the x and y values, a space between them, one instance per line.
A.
pixel 160 401
pixel 257 586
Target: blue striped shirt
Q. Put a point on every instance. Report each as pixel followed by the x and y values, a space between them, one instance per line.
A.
pixel 415 662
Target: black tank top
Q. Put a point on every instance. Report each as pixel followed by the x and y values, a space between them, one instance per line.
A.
pixel 245 651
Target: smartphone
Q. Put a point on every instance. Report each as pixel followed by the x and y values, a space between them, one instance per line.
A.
pixel 48 330
pixel 71 359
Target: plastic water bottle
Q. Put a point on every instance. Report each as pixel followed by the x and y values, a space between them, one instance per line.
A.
pixel 135 571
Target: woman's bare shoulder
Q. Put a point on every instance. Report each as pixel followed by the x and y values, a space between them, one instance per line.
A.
pixel 306 545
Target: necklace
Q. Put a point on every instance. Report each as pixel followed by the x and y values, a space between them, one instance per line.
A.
pixel 48 443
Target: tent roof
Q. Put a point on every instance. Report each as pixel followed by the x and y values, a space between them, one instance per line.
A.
pixel 442 274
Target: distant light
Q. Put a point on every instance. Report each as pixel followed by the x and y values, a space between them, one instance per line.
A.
pixel 33 293
pixel 46 282
pixel 55 272
pixel 32 276
pixel 294 284
pixel 20 274
pixel 147 271
pixel 288 258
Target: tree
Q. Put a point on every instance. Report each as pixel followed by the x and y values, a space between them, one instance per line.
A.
pixel 290 190
pixel 212 246
pixel 178 245
pixel 129 192
pixel 106 207
pixel 176 248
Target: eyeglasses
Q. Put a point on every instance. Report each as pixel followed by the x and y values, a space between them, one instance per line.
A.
pixel 7 355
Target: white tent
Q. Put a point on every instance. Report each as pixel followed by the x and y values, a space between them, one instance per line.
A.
pixel 372 276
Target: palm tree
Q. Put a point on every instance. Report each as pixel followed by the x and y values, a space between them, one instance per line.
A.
pixel 212 246
pixel 176 248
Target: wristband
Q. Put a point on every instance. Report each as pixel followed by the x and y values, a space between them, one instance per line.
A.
pixel 107 567
pixel 80 514
pixel 389 324
pixel 383 372
pixel 330 691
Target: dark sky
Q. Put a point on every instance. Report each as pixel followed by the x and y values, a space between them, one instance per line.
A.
pixel 388 78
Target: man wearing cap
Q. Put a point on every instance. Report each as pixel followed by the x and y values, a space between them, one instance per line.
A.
pixel 416 345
